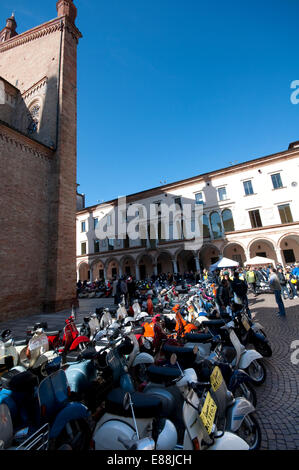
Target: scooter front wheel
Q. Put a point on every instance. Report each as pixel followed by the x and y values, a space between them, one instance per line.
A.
pixel 75 435
pixel 247 391
pixel 250 432
pixel 257 372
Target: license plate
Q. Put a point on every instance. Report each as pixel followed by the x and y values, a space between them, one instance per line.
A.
pixel 208 413
pixel 245 324
pixel 216 378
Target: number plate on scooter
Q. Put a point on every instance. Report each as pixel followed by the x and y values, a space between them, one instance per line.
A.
pixel 208 413
pixel 216 378
pixel 245 324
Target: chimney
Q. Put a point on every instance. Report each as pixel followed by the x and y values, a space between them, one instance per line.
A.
pixel 66 8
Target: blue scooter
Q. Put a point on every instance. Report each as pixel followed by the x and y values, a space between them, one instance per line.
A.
pixel 31 405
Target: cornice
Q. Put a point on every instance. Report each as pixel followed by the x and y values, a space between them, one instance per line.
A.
pixel 34 88
pixel 24 143
pixel 160 190
pixel 42 30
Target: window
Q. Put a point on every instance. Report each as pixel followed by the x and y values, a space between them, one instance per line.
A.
pixel 33 118
pixel 178 202
pixel 95 223
pixel 83 248
pixel 101 274
pixel 109 219
pixel 222 194
pixel 127 241
pixel 205 226
pixel 83 226
pixel 199 198
pixel 228 221
pixel 248 187
pixel 216 225
pixel 285 213
pixel 289 256
pixel 96 246
pixel 255 218
pixel 110 244
pixel 276 181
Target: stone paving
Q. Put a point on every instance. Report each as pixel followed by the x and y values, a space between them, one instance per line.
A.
pixel 277 399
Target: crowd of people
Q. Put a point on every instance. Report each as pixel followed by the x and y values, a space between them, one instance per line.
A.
pixel 231 285
pixel 235 284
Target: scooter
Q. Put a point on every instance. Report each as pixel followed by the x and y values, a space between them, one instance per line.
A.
pixel 236 355
pixel 39 440
pixel 33 405
pixel 251 332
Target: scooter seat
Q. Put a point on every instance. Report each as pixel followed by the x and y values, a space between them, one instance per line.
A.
pixel 21 342
pixel 21 382
pixel 72 356
pixel 145 406
pixel 228 353
pixel 198 337
pixel 185 356
pixel 53 333
pixel 6 363
pixel 213 323
pixel 164 374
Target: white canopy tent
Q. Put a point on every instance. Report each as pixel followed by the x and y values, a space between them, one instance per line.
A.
pixel 259 260
pixel 224 263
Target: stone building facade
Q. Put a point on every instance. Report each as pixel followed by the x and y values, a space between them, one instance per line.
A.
pixel 38 157
pixel 250 209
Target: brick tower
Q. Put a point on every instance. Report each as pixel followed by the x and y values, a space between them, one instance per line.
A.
pixel 38 156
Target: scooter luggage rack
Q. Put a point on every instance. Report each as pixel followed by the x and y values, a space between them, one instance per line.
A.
pixel 37 441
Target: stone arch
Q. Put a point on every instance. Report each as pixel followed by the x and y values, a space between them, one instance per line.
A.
pixel 208 255
pixel 98 269
pixel 111 268
pixel 83 271
pixel 127 264
pixel 235 251
pixel 145 263
pixel 186 261
pixel 288 244
pixel 164 262
pixel 262 246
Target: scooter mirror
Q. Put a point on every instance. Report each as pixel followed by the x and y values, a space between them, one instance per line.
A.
pixel 127 401
pixel 173 359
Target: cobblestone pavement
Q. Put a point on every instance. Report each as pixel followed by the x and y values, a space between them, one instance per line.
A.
pixel 277 399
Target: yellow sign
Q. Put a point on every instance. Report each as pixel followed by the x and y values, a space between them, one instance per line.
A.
pixel 216 378
pixel 245 324
pixel 208 413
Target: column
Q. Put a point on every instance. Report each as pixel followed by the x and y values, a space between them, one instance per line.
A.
pixel 279 256
pixel 137 272
pixel 175 266
pixel 155 268
pixel 197 265
pixel 120 271
pixel 91 274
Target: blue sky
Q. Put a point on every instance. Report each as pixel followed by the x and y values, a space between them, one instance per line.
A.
pixel 168 89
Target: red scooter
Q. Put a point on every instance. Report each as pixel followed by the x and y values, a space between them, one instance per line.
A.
pixel 70 341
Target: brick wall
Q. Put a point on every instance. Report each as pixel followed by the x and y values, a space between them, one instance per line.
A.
pixel 37 184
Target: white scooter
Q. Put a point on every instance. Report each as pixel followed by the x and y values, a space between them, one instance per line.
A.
pixel 120 429
pixel 238 356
